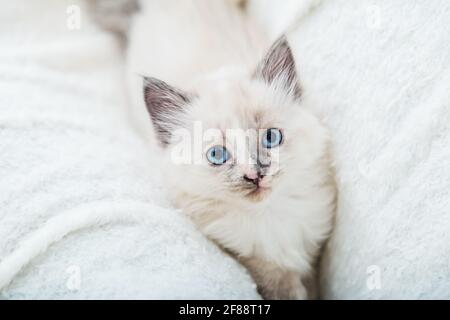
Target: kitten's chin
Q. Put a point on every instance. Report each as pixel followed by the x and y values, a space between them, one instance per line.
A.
pixel 258 194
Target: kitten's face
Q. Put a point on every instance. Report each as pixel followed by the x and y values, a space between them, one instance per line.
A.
pixel 245 136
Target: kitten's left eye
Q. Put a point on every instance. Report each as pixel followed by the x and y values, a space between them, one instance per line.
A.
pixel 272 138
pixel 217 155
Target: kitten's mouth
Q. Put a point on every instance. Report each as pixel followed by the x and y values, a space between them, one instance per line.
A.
pixel 259 193
pixel 261 190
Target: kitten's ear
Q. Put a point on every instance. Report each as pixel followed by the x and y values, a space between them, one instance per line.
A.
pixel 165 104
pixel 279 65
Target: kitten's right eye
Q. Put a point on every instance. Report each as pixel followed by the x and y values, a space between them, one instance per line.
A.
pixel 217 155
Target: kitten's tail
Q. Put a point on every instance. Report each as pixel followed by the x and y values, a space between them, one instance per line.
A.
pixel 279 17
pixel 114 15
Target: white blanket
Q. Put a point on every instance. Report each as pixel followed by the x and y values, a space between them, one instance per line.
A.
pixel 82 213
pixel 380 71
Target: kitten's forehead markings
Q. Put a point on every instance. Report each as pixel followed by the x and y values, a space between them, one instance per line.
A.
pixel 258 116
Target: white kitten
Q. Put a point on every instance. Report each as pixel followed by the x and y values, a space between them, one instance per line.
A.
pixel 270 200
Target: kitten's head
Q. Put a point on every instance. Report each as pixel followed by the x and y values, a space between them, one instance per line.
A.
pixel 239 137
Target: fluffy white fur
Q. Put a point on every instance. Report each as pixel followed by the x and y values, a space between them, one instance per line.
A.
pixel 207 50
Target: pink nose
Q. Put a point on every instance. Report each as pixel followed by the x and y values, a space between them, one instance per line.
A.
pixel 254 178
pixel 251 175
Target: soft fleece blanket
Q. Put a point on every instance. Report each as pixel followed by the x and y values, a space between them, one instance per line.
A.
pixel 82 213
pixel 380 71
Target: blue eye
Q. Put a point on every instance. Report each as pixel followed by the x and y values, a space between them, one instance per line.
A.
pixel 217 155
pixel 272 138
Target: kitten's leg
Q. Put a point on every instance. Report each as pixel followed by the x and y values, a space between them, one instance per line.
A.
pixel 311 284
pixel 275 283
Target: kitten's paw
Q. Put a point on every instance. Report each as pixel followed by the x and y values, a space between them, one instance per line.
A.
pixel 297 293
pixel 275 283
pixel 288 287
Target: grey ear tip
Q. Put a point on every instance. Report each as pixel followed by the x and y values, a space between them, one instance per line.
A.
pixel 153 83
pixel 145 80
pixel 282 40
pixel 148 80
pixel 281 46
